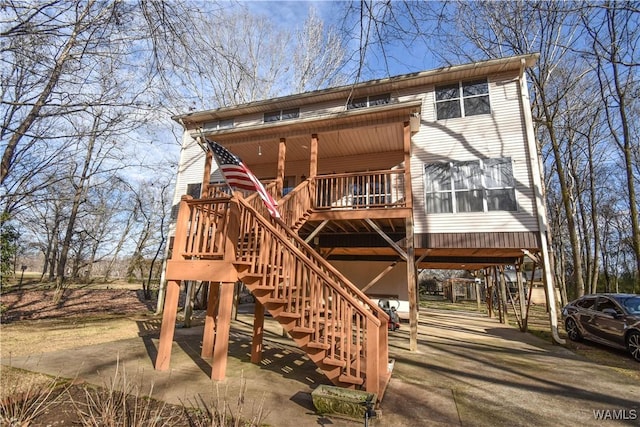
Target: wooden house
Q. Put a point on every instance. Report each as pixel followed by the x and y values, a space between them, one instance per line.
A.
pixel 437 169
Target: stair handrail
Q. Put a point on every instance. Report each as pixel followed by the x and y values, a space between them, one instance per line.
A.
pixel 294 204
pixel 329 273
pixel 234 217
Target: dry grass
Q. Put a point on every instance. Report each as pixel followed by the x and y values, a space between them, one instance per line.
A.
pixel 36 336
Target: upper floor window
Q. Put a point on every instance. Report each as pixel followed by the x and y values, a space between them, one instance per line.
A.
pixel 369 101
pixel 274 116
pixel 462 99
pixel 470 186
pixel 221 124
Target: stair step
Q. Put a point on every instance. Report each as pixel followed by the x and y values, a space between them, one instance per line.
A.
pixel 262 288
pixel 289 315
pixel 241 263
pixel 248 278
pixel 350 379
pixel 334 362
pixel 319 345
pixel 303 330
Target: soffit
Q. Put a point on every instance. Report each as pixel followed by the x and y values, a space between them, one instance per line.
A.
pixel 349 133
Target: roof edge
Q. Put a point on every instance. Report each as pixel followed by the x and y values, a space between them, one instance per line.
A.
pixel 514 62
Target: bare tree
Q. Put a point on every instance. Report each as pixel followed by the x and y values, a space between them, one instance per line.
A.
pixel 318 56
pixel 613 30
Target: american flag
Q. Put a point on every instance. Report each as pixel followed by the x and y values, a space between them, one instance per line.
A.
pixel 239 176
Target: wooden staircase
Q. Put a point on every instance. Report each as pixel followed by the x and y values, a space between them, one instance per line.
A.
pixel 343 332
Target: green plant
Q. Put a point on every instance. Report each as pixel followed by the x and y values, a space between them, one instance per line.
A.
pixel 8 247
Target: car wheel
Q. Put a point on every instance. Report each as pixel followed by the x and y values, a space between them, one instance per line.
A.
pixel 633 344
pixel 572 330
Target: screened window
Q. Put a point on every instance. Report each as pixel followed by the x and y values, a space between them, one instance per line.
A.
pixel 462 99
pixel 369 101
pixel 194 190
pixel 274 116
pixel 470 186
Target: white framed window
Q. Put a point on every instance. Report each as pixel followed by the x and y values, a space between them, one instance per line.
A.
pixel 462 99
pixel 275 116
pixel 220 124
pixel 470 186
pixel 369 101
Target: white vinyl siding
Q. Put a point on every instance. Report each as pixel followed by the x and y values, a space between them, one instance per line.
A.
pixel 498 135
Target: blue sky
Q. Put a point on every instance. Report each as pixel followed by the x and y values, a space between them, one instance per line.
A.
pixel 292 14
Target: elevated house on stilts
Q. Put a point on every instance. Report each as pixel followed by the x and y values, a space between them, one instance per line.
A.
pixel 437 169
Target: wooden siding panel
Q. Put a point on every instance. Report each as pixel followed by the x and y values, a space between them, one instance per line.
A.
pixel 516 240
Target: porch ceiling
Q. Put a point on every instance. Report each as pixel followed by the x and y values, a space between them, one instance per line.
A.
pixel 348 133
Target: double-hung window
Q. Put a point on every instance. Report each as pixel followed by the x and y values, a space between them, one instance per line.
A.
pixel 462 99
pixel 470 186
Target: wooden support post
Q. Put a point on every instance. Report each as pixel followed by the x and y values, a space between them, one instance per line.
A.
pixel 521 295
pixel 221 347
pixel 373 358
pixel 406 140
pixel 313 156
pixel 412 285
pixel 489 294
pixel 533 274
pixel 204 189
pixel 188 305
pixel 496 283
pixel 168 325
pixel 258 333
pixel 477 281
pixel 503 295
pixel 282 155
pixel 208 336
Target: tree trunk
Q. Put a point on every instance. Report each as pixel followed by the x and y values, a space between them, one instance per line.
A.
pixel 578 285
pixel 78 199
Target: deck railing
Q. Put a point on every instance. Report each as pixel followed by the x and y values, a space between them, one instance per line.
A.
pixel 360 190
pixel 202 227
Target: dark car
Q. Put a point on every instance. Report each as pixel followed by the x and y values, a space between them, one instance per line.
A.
pixel 609 319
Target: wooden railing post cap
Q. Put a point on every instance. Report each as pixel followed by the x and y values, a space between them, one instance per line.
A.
pixel 186 197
